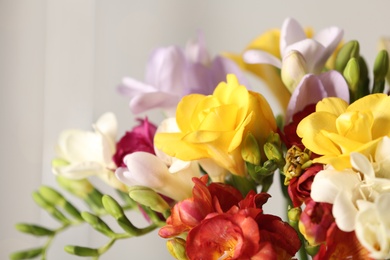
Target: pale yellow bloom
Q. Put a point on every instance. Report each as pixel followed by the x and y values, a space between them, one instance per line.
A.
pixel 213 126
pixel 336 129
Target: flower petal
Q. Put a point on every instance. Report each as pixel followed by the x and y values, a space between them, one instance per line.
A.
pixel 151 100
pixel 261 57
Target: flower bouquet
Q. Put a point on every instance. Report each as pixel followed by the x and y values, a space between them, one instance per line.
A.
pixel 202 176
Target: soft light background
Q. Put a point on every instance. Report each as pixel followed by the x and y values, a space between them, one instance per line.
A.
pixel 60 62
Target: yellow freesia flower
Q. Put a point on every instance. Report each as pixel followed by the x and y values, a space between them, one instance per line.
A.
pixel 213 126
pixel 336 129
pixel 269 42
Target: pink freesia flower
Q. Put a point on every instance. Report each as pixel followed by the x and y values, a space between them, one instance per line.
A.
pixel 139 139
pixel 172 73
pixel 313 88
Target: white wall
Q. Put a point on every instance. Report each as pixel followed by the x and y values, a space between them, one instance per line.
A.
pixel 61 60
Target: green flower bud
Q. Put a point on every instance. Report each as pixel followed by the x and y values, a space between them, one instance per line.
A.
pixel 273 152
pixel 293 69
pixel 352 75
pixel 293 215
pixel 381 68
pixel 79 188
pixel 250 150
pixel 52 196
pixel 34 229
pixel 98 224
pixel 348 51
pixel 50 208
pixel 26 254
pixel 81 251
pixel 112 207
pixel 148 197
pixel 312 250
pixel 177 248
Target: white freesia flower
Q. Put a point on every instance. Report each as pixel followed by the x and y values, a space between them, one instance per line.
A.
pixel 346 189
pixel 373 226
pixel 315 51
pixel 87 153
pixel 148 170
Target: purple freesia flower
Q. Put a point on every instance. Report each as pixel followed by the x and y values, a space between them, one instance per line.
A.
pixel 172 73
pixel 313 88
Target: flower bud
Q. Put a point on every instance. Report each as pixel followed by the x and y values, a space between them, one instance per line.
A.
pixel 81 251
pixel 381 67
pixel 34 229
pixel 177 248
pixel 112 207
pixel 26 254
pixel 80 188
pixel 293 215
pixel 293 69
pixel 149 198
pixel 250 150
pixel 348 51
pixel 98 224
pixel 49 208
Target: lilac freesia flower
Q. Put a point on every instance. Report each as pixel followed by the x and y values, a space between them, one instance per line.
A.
pixel 313 88
pixel 172 73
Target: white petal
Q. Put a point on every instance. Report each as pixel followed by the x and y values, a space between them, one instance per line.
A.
pixel 344 211
pixel 311 50
pixel 328 183
pixel 79 171
pixel 261 57
pixel 362 164
pixel 291 32
pixel 329 37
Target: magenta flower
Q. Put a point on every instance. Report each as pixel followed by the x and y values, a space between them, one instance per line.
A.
pixel 139 139
pixel 172 73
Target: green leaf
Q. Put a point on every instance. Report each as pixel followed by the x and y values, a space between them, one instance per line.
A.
pixel 34 229
pixel 26 254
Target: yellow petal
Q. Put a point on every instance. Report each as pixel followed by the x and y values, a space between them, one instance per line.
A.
pixel 185 110
pixel 333 105
pixel 311 130
pixel 355 125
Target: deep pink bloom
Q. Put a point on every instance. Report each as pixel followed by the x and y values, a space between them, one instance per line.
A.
pixel 290 137
pixel 315 220
pixel 300 187
pixel 139 139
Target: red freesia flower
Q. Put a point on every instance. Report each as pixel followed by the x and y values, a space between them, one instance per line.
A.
pixel 290 136
pixel 341 245
pixel 315 221
pixel 140 139
pixel 300 187
pixel 188 213
pixel 220 223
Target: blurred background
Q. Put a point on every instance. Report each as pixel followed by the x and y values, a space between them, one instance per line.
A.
pixel 60 63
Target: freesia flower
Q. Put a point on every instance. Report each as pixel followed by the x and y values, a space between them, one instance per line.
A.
pixel 373 225
pixel 213 126
pixel 139 139
pixel 146 169
pixel 172 73
pixel 266 42
pixel 313 88
pixel 347 189
pixel 315 220
pixel 86 153
pixel 341 245
pixel 300 187
pixel 336 129
pixel 315 51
